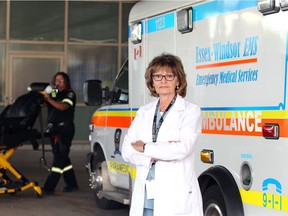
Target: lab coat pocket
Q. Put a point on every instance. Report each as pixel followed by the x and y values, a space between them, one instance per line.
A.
pixel 183 200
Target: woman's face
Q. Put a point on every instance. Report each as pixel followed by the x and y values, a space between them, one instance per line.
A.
pixel 165 82
pixel 60 82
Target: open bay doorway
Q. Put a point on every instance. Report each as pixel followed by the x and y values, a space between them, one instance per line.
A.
pixel 26 68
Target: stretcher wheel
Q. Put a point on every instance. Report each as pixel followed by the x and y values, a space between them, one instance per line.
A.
pixel 39 196
pixel 12 193
pixel 38 191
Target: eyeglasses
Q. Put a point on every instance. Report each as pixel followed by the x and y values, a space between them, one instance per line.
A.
pixel 159 77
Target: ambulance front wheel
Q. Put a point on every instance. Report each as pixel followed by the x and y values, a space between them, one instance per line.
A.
pixel 213 202
pixel 99 168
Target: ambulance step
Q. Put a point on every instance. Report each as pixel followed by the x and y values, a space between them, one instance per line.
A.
pixel 116 196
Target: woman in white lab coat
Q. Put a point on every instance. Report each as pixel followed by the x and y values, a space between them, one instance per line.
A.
pixel 160 142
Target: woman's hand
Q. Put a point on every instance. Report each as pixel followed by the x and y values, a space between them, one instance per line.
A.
pixel 47 97
pixel 138 145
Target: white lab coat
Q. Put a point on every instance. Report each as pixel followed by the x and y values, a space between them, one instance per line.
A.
pixel 177 190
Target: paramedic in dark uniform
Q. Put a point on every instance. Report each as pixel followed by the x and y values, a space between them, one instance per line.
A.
pixel 61 105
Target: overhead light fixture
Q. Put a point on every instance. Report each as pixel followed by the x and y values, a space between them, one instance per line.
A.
pixel 184 20
pixel 136 32
pixel 284 5
pixel 268 7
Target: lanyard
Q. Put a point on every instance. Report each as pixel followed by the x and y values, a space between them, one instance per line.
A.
pixel 155 129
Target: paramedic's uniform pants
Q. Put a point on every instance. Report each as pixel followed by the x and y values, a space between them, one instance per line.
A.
pixel 61 162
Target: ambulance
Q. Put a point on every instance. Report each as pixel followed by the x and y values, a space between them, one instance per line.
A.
pixel 235 54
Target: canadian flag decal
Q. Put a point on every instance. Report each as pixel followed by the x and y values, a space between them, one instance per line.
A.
pixel 137 52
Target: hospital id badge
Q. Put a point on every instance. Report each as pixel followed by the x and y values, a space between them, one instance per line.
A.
pixel 150 189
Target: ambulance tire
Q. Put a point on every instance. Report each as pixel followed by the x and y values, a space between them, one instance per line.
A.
pixel 102 203
pixel 213 202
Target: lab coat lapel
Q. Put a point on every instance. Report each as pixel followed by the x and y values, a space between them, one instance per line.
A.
pixel 173 116
pixel 147 123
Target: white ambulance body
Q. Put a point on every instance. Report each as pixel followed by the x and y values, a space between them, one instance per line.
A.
pixel 235 54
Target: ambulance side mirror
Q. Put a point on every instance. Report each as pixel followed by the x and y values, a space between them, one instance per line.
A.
pixel 93 92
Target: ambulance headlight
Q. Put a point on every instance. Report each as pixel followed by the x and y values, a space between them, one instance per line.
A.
pixel 184 20
pixel 284 5
pixel 91 128
pixel 268 6
pixel 136 32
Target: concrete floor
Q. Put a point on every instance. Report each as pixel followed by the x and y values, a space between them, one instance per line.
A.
pixel 26 203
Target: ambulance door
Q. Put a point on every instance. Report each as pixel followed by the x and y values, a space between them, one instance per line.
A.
pixel 160 35
pixel 137 64
pixel 155 36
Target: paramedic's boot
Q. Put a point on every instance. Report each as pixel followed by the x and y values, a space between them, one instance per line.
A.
pixel 70 181
pixel 47 192
pixel 70 189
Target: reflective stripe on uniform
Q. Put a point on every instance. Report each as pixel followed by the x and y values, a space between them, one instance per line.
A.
pixel 67 168
pixel 61 171
pixel 66 100
pixel 56 170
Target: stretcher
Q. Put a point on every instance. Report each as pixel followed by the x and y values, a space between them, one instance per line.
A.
pixel 16 124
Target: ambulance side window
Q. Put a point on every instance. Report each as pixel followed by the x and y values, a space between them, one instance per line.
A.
pixel 121 85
